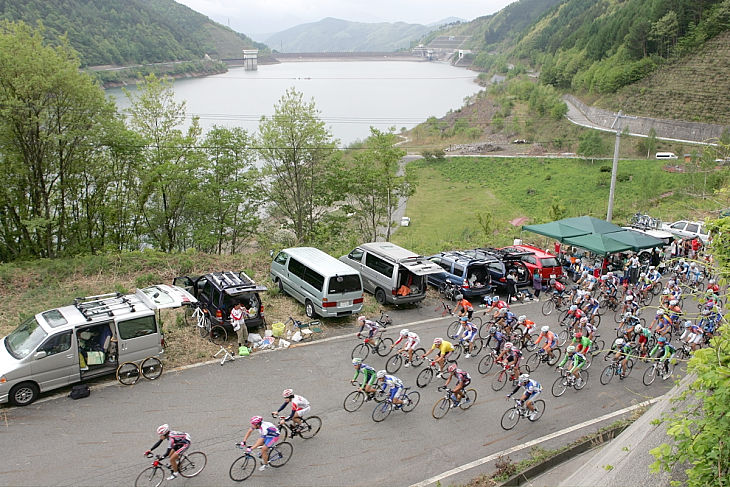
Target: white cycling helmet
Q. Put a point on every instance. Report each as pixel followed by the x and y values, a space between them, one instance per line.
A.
pixel 584 319
pixel 638 329
pixel 673 302
pixel 163 429
pixel 521 319
pixel 573 307
pixel 361 319
pixel 287 393
pixel 545 329
pixel 404 332
pixel 687 324
pixel 356 361
pixel 508 346
pixel 380 374
pixel 524 378
pixel 629 298
pixel 666 292
pixel 671 282
pixel 619 342
pixel 659 312
pixel 570 349
pixel 438 341
pixel 459 297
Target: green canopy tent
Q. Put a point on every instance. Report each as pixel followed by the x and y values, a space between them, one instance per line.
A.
pixel 598 244
pixel 590 224
pixel 557 230
pixel 637 240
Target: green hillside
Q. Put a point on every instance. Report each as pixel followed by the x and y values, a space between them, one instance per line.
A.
pixel 129 32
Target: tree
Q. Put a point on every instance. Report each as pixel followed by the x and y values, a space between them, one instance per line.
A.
pixel 170 156
pixel 664 32
pixel 591 145
pixel 303 165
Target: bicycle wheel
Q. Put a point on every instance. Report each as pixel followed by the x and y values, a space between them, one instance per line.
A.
pixel 477 346
pixel 191 464
pixel 582 381
pixel 424 377
pixel 418 357
pixel 361 351
pixel 441 407
pixel 151 368
pixel 218 335
pixel 484 330
pixel 470 397
pixel 649 375
pixel 310 427
pixel 285 432
pixel 203 325
pixel 392 365
pixel 510 418
pixel 606 375
pixel 555 357
pixel 539 406
pixel 458 348
pixel 618 315
pixel 629 368
pixel 559 386
pixel 597 347
pixel 548 307
pixel 562 336
pixel 595 320
pixel 499 381
pixel 382 411
pixel 452 329
pixel 477 321
pixel 410 401
pixel 531 346
pixel 128 374
pixel 533 362
pixel 380 395
pixel 353 401
pixel 280 454
pixel 383 347
pixel 485 364
pixel 242 468
pixel 150 476
pixel 562 316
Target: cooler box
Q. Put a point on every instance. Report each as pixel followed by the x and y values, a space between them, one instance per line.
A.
pixel 277 329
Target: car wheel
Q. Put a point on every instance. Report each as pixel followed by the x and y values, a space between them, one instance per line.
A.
pixel 380 296
pixel 309 309
pixel 280 285
pixel 23 394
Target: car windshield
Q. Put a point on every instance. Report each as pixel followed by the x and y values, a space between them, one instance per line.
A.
pixel 549 262
pixel 344 284
pixel 25 338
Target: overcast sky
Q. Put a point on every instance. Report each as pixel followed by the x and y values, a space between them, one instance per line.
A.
pixel 257 17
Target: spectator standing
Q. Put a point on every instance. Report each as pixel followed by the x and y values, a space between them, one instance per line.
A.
pixel 537 284
pixel 673 253
pixel 634 265
pixel 511 286
pixel 238 314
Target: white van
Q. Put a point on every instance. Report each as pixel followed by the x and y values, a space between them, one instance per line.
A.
pixel 393 274
pixel 90 338
pixel 666 155
pixel 325 286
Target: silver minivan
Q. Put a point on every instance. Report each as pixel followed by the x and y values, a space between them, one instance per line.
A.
pixel 87 339
pixel 325 286
pixel 392 273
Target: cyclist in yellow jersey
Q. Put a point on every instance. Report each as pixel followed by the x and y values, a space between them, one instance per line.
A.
pixel 444 348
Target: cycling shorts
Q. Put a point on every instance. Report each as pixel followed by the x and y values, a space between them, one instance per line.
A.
pixel 530 396
pixel 304 411
pixel 180 448
pixel 445 356
pixel 469 335
pixel 270 439
pixel 465 382
pixel 370 379
pixel 551 344
pixel 412 343
pixel 395 392
pixel 695 338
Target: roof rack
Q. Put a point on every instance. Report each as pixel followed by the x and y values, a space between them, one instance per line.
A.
pixel 505 252
pixel 103 304
pixel 231 281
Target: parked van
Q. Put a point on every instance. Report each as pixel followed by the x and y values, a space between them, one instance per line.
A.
pixel 393 274
pixel 90 338
pixel 666 155
pixel 325 286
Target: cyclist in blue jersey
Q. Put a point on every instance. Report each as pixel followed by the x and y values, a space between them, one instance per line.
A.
pixel 532 390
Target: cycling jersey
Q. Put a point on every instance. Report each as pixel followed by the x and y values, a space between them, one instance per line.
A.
pixel 444 348
pixel 550 337
pixel 532 389
pixel 394 383
pixel 668 350
pixel 177 441
pixel 577 358
pixel 466 306
pixel 412 339
pixel 369 325
pixel 369 375
pixel 462 376
pixel 584 343
pixel 298 405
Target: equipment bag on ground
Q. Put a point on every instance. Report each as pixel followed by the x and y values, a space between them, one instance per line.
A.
pixel 79 390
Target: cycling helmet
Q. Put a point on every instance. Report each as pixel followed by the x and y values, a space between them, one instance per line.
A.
pixel 705 311
pixel 578 335
pixel 361 319
pixel 573 307
pixel 570 349
pixel 287 393
pixel 651 267
pixel 638 329
pixel 659 312
pixel 380 374
pixel 524 378
pixel 628 314
pixel 508 346
pixel 163 429
pixel 356 361
pixel 452 368
pixel 671 282
pixel 619 342
pixel 521 319
pixel 255 420
pixel 673 302
pixel 604 277
pixel 492 330
pixel 643 274
pixel 438 341
pixel 584 319
pixel 488 300
pixel 687 324
pixel 404 332
pixel 545 329
pixel 662 339
pixel 666 292
pixel 610 274
pixel 629 298
pixel 502 311
pixel 459 297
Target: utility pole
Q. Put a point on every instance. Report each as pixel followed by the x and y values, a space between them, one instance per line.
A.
pixel 614 169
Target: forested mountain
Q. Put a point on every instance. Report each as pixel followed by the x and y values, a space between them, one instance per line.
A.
pixel 336 35
pixel 129 31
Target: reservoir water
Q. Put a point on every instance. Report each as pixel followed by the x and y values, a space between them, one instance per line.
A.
pixel 350 96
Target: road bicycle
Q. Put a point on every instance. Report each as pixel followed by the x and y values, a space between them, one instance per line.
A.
pixel 188 465
pixel 501 377
pixel 444 308
pixel 556 302
pixel 383 409
pixel 463 348
pixel 614 368
pixel 425 376
pixel 307 428
pixel 443 405
pixel 449 290
pixel 534 360
pixel 453 328
pixel 662 368
pixel 128 373
pixel 511 417
pixel 567 380
pixel 395 361
pixel 306 329
pixel 200 317
pixel 486 363
pixel 356 398
pixel 244 466
pixel 377 344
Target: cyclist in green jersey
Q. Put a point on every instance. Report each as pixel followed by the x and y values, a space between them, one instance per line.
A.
pixel 578 361
pixel 583 343
pixel 669 351
pixel 369 378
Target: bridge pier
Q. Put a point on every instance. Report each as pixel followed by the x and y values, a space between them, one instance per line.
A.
pixel 250 59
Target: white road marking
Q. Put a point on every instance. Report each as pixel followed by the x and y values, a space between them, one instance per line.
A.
pixel 494 456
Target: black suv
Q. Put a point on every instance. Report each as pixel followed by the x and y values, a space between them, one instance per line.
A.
pixel 219 292
pixel 472 274
pixel 511 259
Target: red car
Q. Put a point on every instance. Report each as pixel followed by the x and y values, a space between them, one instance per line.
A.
pixel 545 263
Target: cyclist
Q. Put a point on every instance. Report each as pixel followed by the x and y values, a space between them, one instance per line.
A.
pixel 411 342
pixel 654 275
pixel 462 380
pixel 551 341
pixel 178 442
pixel 532 390
pixel 713 288
pixel 620 351
pixel 630 304
pixel 466 333
pixel 662 324
pixel 574 315
pixel 583 343
pixel 369 378
pixel 299 408
pixel 591 306
pixel 642 339
pixel 674 311
pixel 669 351
pixel 577 359
pixel 694 273
pixel 394 386
pixel 494 305
pixel 268 436
pixel 371 326
pixel 505 319
pixel 444 348
pixel 692 335
pixel 463 307
pixel 510 356
pixel 498 336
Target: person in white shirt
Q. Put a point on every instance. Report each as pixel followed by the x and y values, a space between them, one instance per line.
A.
pixel 238 315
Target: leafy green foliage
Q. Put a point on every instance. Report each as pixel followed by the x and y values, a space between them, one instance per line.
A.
pixel 591 145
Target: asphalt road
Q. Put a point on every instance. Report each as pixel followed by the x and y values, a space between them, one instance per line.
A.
pixel 100 440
